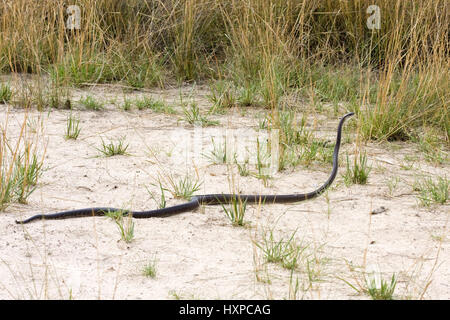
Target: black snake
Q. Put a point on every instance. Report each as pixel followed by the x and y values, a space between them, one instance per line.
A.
pixel 206 199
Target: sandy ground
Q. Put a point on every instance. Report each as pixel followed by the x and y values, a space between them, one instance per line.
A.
pixel 200 255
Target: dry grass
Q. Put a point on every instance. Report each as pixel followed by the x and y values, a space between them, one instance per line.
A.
pixel 20 162
pixel 277 46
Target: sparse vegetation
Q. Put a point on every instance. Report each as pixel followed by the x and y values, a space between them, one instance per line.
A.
pixel 283 251
pixel 432 191
pixel 126 105
pixel 380 289
pixel 359 172
pixel 302 64
pixel 430 144
pixel 91 103
pixel 235 211
pixel 162 202
pixel 183 187
pixel 124 224
pixel 5 93
pixel 243 168
pixel 222 96
pixel 192 115
pixel 392 184
pixel 27 171
pixel 20 167
pixel 219 153
pixel 373 284
pixel 72 128
pixel 150 268
pixel 154 105
pixel 112 149
pixel 248 96
pixel 263 162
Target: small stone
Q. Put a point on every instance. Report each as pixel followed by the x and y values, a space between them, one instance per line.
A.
pixel 379 210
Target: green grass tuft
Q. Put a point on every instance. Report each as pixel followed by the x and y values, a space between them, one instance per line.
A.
pixel 91 103
pixel 112 149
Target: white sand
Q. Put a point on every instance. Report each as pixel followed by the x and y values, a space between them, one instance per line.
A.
pixel 199 254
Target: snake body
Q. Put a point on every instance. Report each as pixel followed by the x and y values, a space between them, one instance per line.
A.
pixel 206 199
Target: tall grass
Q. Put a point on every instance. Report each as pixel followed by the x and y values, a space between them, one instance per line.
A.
pixel 395 77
